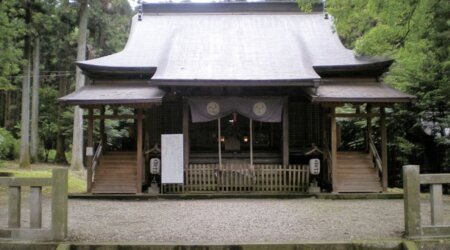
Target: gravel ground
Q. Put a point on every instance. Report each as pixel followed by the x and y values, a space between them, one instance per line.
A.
pixel 231 220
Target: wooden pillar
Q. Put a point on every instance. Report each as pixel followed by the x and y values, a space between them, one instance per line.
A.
pixel 384 157
pixel 186 133
pixel 90 146
pixel 333 150
pixel 368 126
pixel 286 132
pixel 325 142
pixel 251 142
pixel 102 127
pixel 139 155
pixel 219 143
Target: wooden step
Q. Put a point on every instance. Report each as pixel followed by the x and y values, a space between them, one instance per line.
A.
pixel 358 177
pixel 356 170
pixel 116 173
pixel 356 173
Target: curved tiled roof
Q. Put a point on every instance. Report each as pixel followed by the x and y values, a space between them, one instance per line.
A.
pixel 283 48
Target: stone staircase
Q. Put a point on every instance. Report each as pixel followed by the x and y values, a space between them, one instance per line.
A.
pixel 116 173
pixel 356 173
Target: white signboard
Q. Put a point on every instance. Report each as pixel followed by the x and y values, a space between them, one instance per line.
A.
pixel 172 158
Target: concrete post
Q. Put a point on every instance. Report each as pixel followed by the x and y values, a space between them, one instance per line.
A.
pixel 59 203
pixel 437 207
pixel 411 187
pixel 14 207
pixel 36 207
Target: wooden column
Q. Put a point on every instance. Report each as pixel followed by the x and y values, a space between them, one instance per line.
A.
pixel 219 143
pixel 139 155
pixel 325 142
pixel 384 157
pixel 90 144
pixel 286 132
pixel 333 150
pixel 368 126
pixel 102 127
pixel 186 133
pixel 251 142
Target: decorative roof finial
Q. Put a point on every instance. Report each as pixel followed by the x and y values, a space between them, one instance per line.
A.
pixel 140 9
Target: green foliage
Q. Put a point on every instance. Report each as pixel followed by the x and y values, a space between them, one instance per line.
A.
pixel 416 34
pixel 9 145
pixel 307 5
pixel 12 28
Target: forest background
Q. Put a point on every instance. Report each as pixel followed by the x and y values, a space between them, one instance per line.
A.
pixel 38 50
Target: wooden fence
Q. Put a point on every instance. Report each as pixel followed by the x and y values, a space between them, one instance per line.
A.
pixel 58 226
pixel 411 185
pixel 262 178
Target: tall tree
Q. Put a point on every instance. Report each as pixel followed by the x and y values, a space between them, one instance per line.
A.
pixel 24 160
pixel 415 33
pixel 35 101
pixel 77 141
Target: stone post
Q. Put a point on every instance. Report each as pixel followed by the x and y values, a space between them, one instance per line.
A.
pixel 59 203
pixel 411 187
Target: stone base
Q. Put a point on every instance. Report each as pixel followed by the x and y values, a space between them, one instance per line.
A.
pixel 314 190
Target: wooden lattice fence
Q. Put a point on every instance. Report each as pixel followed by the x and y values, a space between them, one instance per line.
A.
pixel 262 178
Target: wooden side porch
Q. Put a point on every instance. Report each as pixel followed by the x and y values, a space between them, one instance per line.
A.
pixel 364 171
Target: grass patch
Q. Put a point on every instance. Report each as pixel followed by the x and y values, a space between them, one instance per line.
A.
pixel 77 180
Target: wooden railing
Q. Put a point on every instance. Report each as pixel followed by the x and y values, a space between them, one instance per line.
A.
pixel 96 159
pixel 411 185
pixel 376 156
pixel 59 214
pixel 262 178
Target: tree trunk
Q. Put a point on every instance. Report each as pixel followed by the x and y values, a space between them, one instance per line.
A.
pixel 6 110
pixel 77 142
pixel 35 102
pixel 60 156
pixel 24 160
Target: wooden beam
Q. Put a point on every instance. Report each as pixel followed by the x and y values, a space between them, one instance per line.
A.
pixel 384 157
pixel 186 133
pixel 357 115
pixel 90 144
pixel 286 132
pixel 113 117
pixel 139 155
pixel 333 151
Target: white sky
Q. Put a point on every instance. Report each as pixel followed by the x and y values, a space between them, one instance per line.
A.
pixel 134 3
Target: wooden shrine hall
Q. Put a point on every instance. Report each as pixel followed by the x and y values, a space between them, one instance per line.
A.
pixel 254 89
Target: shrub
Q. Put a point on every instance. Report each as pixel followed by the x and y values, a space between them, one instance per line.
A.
pixel 9 146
